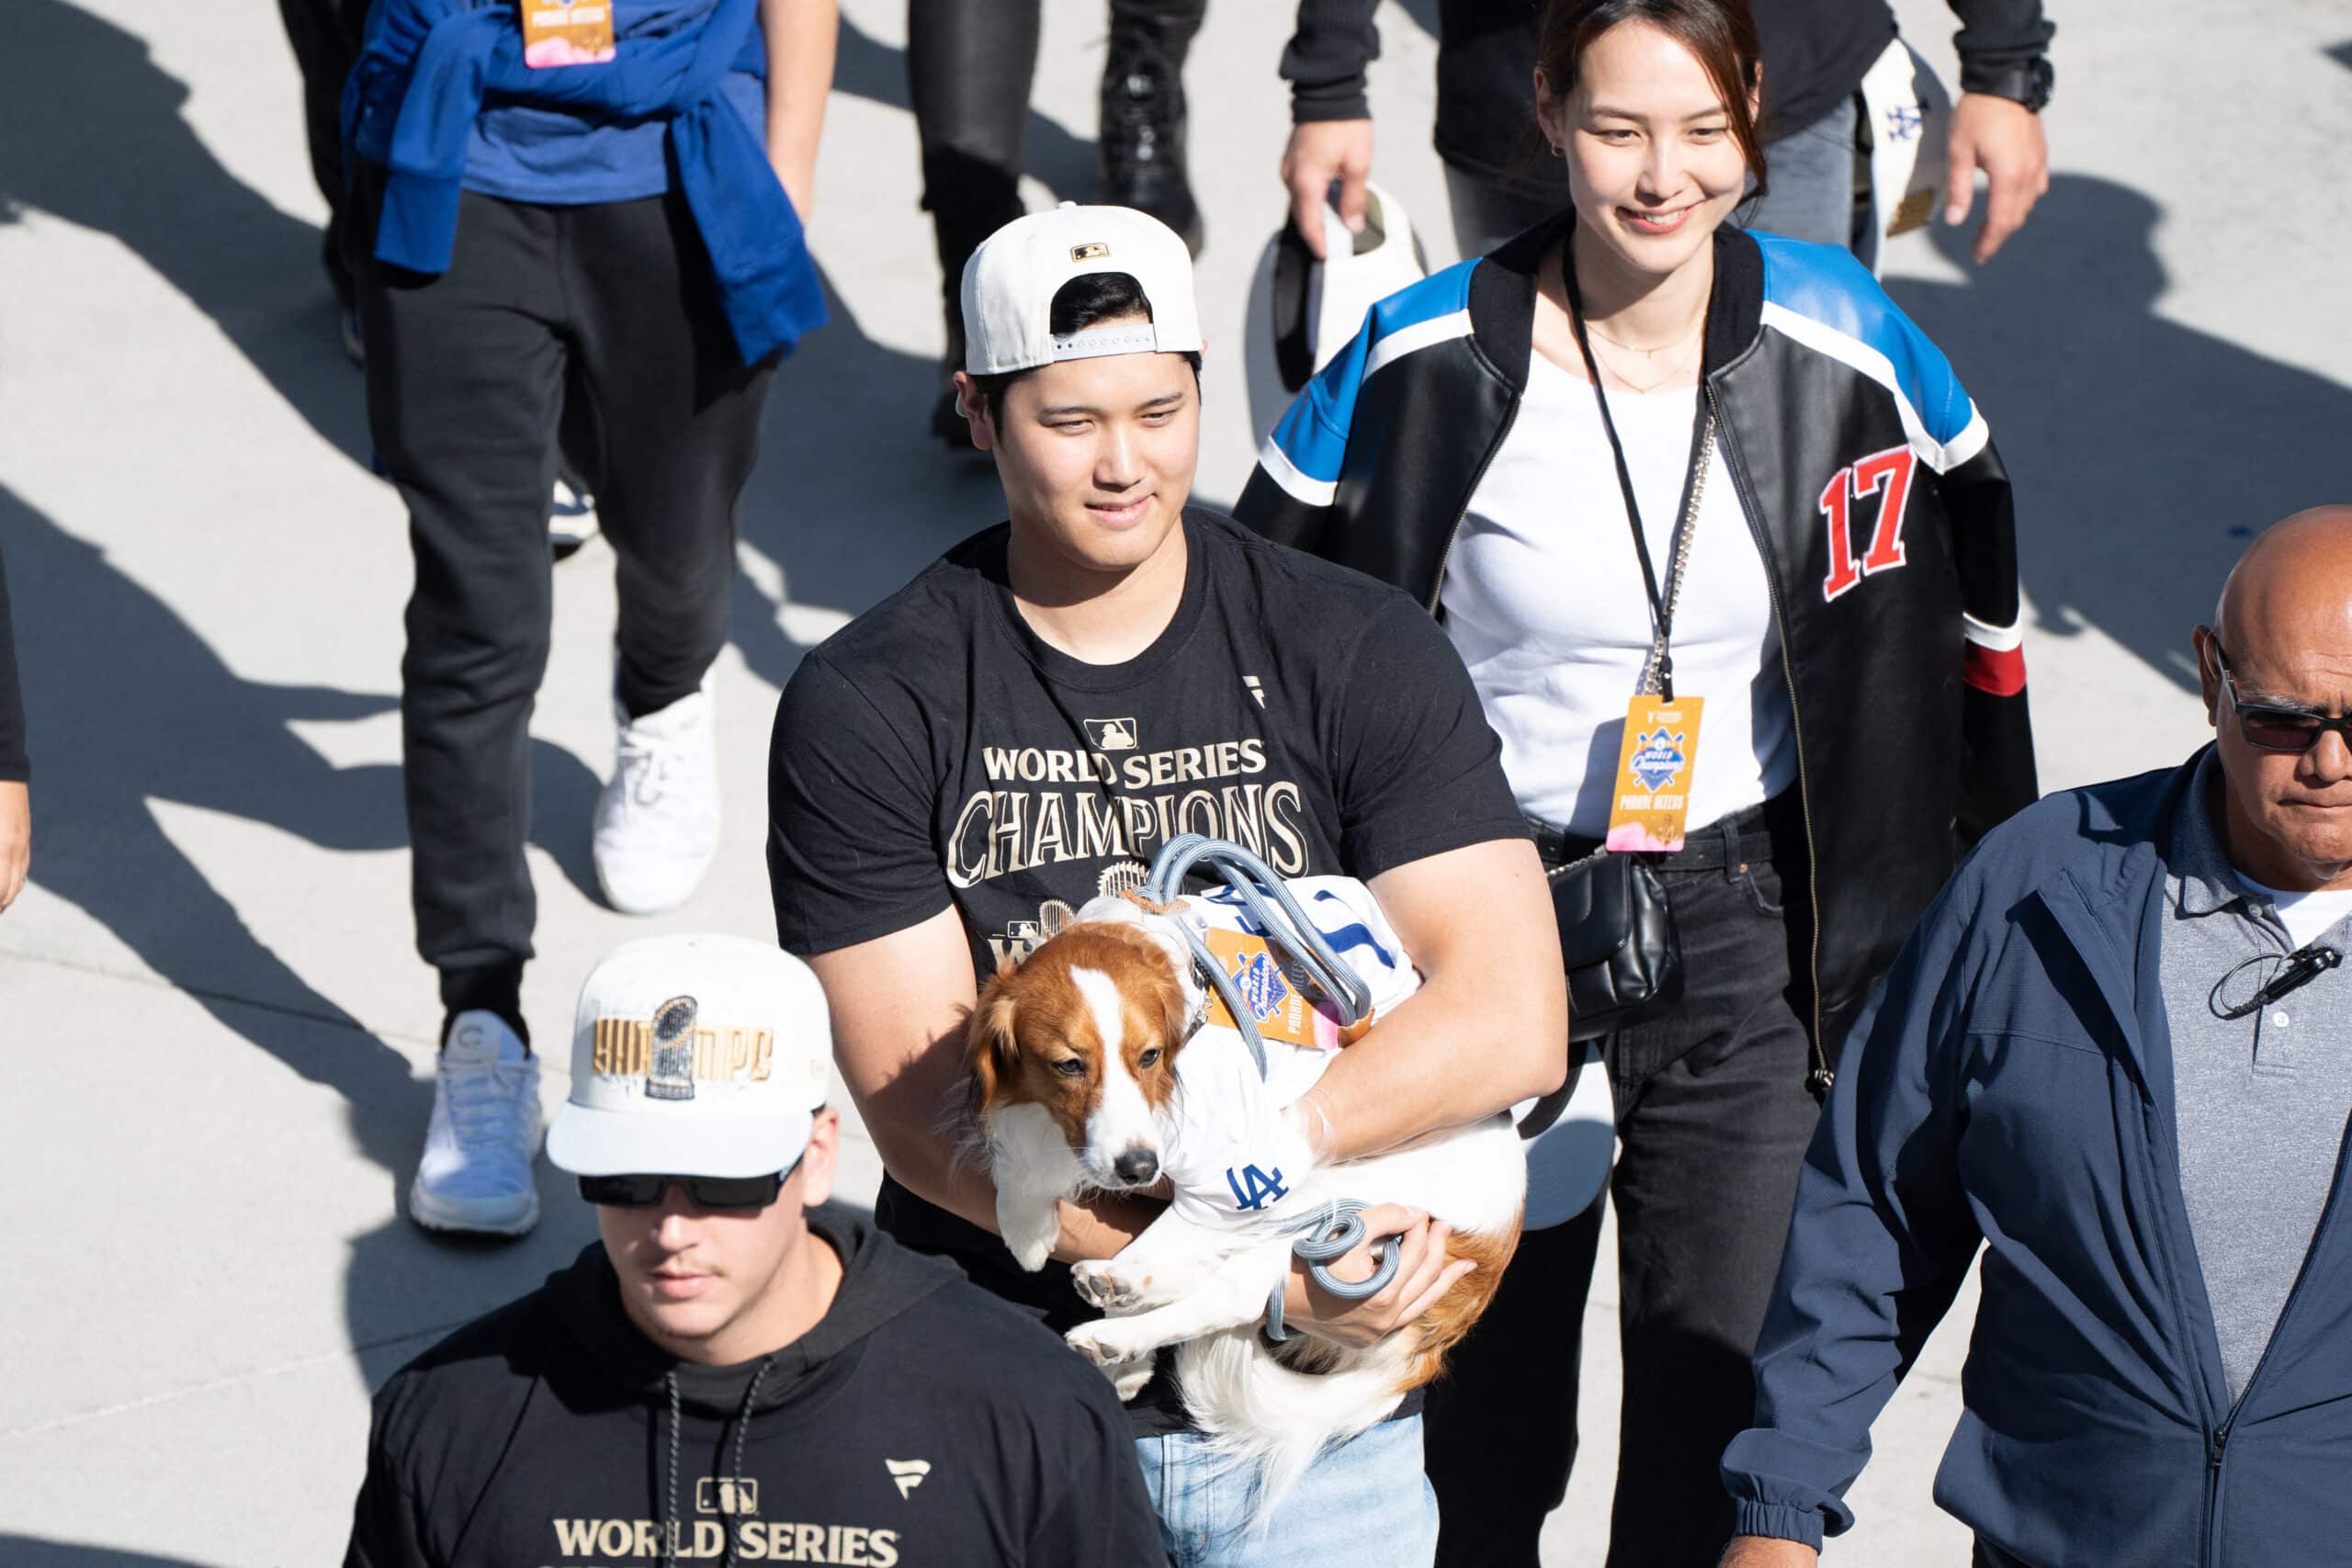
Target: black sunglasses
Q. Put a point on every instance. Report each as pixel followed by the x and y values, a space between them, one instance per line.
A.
pixel 2270 729
pixel 642 1189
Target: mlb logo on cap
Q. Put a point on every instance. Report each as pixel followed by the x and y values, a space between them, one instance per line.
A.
pixel 694 1056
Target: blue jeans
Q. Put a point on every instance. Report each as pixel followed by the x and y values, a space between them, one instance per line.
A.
pixel 1365 1502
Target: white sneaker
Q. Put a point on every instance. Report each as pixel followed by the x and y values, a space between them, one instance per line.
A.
pixel 571 515
pixel 657 823
pixel 476 1174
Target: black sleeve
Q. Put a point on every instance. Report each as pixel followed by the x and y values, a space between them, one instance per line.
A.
pixel 850 852
pixel 387 1525
pixel 14 764
pixel 1099 1516
pixel 1419 770
pixel 1334 40
pixel 1997 36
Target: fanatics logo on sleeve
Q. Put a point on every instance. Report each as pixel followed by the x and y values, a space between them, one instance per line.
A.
pixel 908 1474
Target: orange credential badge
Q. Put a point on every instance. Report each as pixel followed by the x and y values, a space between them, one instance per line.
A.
pixel 555 33
pixel 1654 766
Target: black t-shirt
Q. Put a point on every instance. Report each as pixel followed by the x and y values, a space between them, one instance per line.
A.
pixel 937 751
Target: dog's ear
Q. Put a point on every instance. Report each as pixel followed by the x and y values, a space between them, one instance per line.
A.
pixel 990 1049
pixel 1174 1006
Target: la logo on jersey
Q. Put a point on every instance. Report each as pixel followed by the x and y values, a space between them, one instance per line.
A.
pixel 1252 1189
pixel 1886 475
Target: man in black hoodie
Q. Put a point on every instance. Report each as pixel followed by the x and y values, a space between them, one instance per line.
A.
pixel 739 1372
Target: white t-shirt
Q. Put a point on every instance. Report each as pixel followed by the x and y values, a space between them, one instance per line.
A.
pixel 2306 916
pixel 1543 600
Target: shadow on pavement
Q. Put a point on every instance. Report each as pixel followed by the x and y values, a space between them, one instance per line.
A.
pixel 852 495
pixel 37 1552
pixel 147 712
pixel 91 131
pixel 2143 452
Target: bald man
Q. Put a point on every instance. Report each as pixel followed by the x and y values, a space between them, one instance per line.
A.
pixel 2118 1052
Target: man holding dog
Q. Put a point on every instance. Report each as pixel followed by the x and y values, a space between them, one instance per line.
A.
pixel 1023 726
pixel 738 1371
pixel 2117 1051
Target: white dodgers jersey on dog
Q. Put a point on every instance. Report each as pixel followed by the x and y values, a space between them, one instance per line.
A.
pixel 1234 1159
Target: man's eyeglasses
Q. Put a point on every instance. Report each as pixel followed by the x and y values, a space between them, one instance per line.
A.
pixel 643 1190
pixel 2268 728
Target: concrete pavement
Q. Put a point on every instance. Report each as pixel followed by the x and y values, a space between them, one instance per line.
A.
pixel 215 1041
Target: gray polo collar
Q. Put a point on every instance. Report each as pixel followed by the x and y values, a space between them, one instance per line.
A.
pixel 2205 882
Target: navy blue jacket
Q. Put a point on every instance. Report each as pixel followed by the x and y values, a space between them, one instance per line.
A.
pixel 2013 1083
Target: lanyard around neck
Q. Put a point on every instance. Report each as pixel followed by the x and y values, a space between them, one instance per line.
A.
pixel 1658 676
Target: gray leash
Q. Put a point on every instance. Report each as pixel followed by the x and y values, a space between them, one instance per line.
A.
pixel 1323 1238
pixel 1283 921
pixel 1337 1228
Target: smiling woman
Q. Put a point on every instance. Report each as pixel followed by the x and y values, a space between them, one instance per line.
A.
pixel 1650 468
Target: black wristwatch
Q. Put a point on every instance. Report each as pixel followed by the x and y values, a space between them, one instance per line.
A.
pixel 2026 82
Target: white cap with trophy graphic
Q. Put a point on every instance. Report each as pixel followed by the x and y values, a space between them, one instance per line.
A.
pixel 694 1056
pixel 1009 284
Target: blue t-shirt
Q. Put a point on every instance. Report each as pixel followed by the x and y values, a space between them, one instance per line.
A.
pixel 526 153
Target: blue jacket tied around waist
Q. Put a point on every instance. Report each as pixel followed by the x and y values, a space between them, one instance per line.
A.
pixel 429 65
pixel 2012 1083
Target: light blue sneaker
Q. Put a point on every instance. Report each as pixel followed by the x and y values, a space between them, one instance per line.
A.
pixel 475 1173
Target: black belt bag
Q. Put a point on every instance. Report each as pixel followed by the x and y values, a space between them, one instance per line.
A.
pixel 1617 941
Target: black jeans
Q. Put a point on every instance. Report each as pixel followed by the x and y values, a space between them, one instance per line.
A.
pixel 466 374
pixel 969 67
pixel 1714 1117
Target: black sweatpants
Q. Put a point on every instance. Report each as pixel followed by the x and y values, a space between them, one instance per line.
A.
pixel 466 373
pixel 1713 1118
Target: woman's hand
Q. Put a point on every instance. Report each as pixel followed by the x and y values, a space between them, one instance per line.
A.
pixel 16 840
pixel 1424 1273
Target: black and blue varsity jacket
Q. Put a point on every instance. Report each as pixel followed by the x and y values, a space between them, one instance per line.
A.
pixel 1869 478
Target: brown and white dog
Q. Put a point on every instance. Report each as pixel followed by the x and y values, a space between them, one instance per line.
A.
pixel 1073 1058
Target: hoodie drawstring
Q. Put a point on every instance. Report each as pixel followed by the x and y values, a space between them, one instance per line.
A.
pixel 670 1503
pixel 742 1430
pixel 669 1491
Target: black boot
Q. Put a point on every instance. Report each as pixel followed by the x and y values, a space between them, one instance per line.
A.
pixel 1142 133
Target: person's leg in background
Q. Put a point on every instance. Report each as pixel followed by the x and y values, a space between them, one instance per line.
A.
pixel 1141 134
pixel 1714 1117
pixel 1487 211
pixel 1363 1503
pixel 678 423
pixel 324 35
pixel 1809 192
pixel 970 66
pixel 1502 1423
pixel 463 400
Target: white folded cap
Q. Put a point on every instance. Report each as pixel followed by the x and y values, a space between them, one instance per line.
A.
pixel 694 1056
pixel 1010 281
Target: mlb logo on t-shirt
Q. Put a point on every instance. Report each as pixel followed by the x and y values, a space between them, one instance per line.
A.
pixel 1111 734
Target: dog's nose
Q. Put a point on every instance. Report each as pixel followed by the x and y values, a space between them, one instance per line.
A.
pixel 1137 1168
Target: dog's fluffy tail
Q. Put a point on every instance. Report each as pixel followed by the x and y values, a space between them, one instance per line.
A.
pixel 1265 1419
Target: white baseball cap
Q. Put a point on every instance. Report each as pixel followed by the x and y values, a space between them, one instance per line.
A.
pixel 1010 281
pixel 694 1056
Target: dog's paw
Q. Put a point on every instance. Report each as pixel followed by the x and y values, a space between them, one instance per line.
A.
pixel 1106 1285
pixel 1128 1378
pixel 1029 1234
pixel 1102 1343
